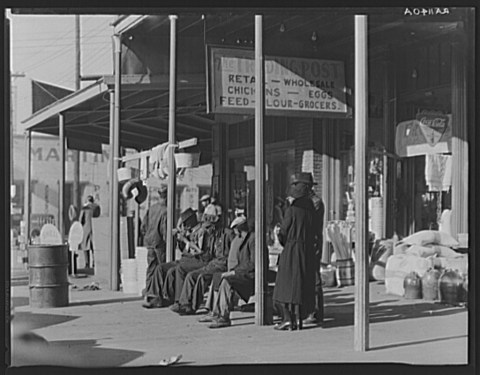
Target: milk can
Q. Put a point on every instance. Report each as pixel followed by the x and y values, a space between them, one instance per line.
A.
pixel 413 286
pixel 451 287
pixel 430 284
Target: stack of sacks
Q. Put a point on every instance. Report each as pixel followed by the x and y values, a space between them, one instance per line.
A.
pixel 381 251
pixel 419 252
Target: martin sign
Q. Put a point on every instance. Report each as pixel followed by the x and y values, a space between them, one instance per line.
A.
pixel 295 85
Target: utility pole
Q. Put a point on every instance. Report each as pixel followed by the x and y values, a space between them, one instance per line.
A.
pixel 76 199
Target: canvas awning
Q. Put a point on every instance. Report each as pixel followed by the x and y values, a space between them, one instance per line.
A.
pixel 144 114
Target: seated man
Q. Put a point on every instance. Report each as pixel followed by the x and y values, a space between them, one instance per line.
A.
pixel 241 279
pixel 198 280
pixel 196 242
pixel 232 262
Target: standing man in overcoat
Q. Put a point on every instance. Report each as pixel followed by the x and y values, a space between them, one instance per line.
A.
pixel 294 291
pixel 316 317
pixel 154 229
pixel 89 210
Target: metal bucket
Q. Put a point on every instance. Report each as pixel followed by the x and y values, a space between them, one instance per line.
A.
pixel 48 275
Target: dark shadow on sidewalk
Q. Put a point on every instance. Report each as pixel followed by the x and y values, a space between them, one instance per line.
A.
pixel 342 310
pixel 72 353
pixel 417 342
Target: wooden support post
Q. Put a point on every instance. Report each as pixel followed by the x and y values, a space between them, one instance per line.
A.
pixel 261 255
pixel 28 186
pixel 171 139
pixel 459 156
pixel 114 154
pixel 361 332
pixel 61 192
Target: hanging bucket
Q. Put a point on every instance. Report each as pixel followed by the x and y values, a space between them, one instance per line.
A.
pixel 345 272
pixel 187 160
pixel 48 275
pixel 129 276
pixel 124 174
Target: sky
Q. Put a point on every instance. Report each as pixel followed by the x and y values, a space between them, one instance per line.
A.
pixel 43 47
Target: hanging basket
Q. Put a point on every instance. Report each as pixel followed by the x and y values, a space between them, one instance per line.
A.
pixel 187 160
pixel 124 174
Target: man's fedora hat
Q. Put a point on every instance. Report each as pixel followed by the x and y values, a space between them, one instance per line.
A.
pixel 304 177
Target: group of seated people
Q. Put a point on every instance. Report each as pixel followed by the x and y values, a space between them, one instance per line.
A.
pixel 214 259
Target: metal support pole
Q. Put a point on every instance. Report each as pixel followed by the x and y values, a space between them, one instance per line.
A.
pixel 261 263
pixel 28 185
pixel 114 154
pixel 61 186
pixel 361 331
pixel 171 139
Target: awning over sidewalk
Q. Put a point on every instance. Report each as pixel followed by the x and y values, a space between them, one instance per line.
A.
pixel 144 114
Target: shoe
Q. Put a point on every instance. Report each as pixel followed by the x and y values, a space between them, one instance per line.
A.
pixel 175 307
pixel 209 318
pixel 186 310
pixel 283 326
pixel 220 323
pixel 152 303
pixel 312 320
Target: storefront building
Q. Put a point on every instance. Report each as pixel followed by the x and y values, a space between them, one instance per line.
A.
pixel 420 76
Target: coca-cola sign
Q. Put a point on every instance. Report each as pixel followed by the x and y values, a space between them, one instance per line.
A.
pixel 433 126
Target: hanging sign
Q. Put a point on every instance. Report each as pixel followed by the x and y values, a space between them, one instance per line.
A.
pixel 429 133
pixel 295 86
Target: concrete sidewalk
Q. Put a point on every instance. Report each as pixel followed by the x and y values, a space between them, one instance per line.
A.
pixel 109 329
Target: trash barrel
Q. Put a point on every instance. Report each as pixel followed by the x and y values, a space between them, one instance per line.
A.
pixel 48 275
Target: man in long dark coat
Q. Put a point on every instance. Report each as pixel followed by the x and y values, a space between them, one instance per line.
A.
pixel 316 317
pixel 294 290
pixel 154 229
pixel 88 211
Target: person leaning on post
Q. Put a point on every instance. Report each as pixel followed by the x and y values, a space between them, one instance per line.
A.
pixel 154 230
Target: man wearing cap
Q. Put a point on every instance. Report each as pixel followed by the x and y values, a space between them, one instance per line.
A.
pixel 294 291
pixel 196 282
pixel 196 245
pixel 154 229
pixel 240 279
pixel 238 227
pixel 204 201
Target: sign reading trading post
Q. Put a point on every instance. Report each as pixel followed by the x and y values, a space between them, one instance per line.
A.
pixel 295 85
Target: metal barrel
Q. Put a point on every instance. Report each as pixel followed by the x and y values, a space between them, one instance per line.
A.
pixel 48 275
pixel 345 272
